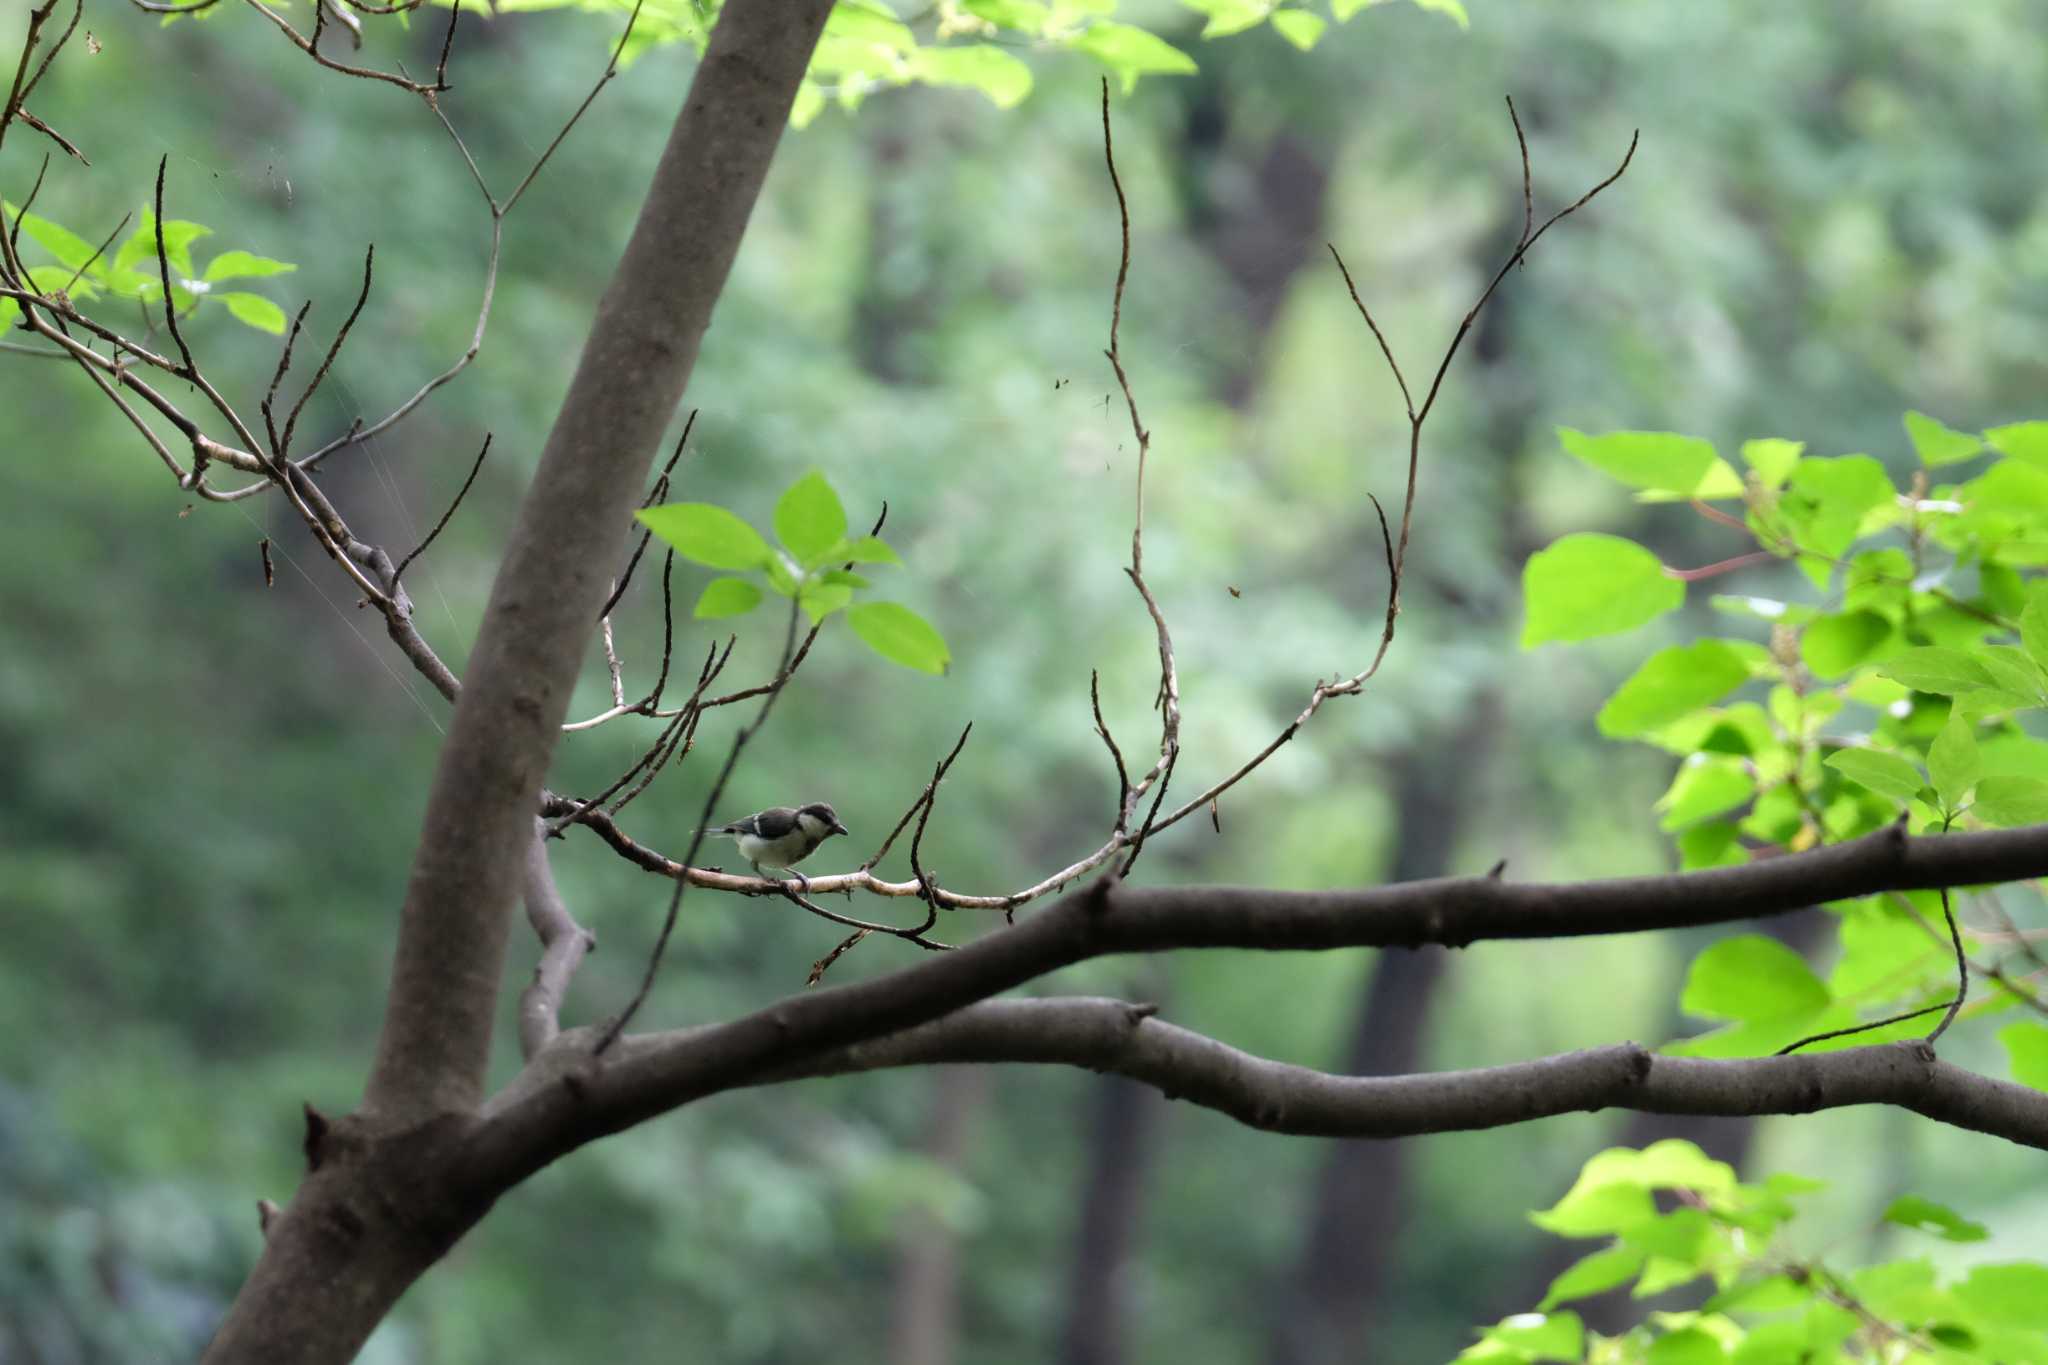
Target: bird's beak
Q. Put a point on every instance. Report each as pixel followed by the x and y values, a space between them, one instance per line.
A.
pixel 838 828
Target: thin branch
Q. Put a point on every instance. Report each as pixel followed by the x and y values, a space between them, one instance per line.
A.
pixel 333 350
pixel 460 494
pixel 564 944
pixel 1955 939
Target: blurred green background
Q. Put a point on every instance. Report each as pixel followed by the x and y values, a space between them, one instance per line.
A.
pixel 210 788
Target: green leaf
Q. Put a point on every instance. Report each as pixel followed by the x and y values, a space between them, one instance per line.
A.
pixel 1938 445
pixel 1594 1274
pixel 1751 978
pixel 256 311
pixel 1537 1336
pixel 1773 459
pixel 705 533
pixel 1299 26
pixel 1834 645
pixel 1228 16
pixel 1671 683
pixel 1911 1211
pixel 1455 9
pixel 899 635
pixel 2021 441
pixel 1132 52
pixel 67 246
pixel 843 577
pixel 723 597
pixel 231 265
pixel 1827 502
pixel 2010 801
pixel 1005 79
pixel 2014 1295
pixel 868 550
pixel 1589 584
pixel 809 519
pixel 2014 671
pixel 1663 465
pixel 1022 16
pixel 1687 1346
pixel 1936 670
pixel 1953 764
pixel 9 311
pixel 2026 1048
pixel 820 599
pixel 1886 774
pixel 140 249
pixel 1706 785
pixel 2034 623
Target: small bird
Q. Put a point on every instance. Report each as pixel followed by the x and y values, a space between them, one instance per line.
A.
pixel 783 837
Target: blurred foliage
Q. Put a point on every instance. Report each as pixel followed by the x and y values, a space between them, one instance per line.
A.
pixel 1672 1216
pixel 213 786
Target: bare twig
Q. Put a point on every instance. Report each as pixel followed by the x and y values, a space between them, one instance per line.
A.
pixel 460 494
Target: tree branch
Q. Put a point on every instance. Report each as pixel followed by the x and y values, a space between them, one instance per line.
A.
pixel 649 1074
pixel 1114 1036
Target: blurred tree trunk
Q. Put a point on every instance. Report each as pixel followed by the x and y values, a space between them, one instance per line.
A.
pixel 924 1319
pixel 1324 1311
pixel 1122 1134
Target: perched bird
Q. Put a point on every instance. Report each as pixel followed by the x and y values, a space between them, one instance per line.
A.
pixel 783 837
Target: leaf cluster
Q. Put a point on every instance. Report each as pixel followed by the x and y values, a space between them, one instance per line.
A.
pixel 810 523
pixel 1671 1216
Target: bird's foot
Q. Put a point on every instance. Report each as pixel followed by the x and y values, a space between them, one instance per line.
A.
pixel 801 880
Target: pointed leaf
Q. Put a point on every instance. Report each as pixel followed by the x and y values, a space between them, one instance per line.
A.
pixel 1299 26
pixel 1133 52
pixel 1886 774
pixel 232 265
pixel 2026 441
pixel 1671 683
pixel 1911 1211
pixel 2010 801
pixel 809 519
pixel 256 311
pixel 1750 977
pixel 1588 584
pixel 899 635
pixel 723 597
pixel 869 550
pixel 1953 763
pixel 1946 671
pixel 1657 462
pixel 1594 1274
pixel 1937 444
pixel 708 534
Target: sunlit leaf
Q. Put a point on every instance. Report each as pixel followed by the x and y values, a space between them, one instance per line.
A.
pixel 707 534
pixel 231 265
pixel 1299 26
pixel 1658 462
pixel 1834 645
pixel 256 311
pixel 723 597
pixel 1589 584
pixel 1936 670
pixel 1132 52
pixel 1937 444
pixel 899 635
pixel 2021 441
pixel 1670 683
pixel 2010 801
pixel 1953 764
pixel 1884 773
pixel 1750 977
pixel 809 519
pixel 1911 1211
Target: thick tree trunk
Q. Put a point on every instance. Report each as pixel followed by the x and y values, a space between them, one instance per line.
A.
pixel 386 1198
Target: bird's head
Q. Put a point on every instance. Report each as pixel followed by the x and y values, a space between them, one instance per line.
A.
pixel 820 820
